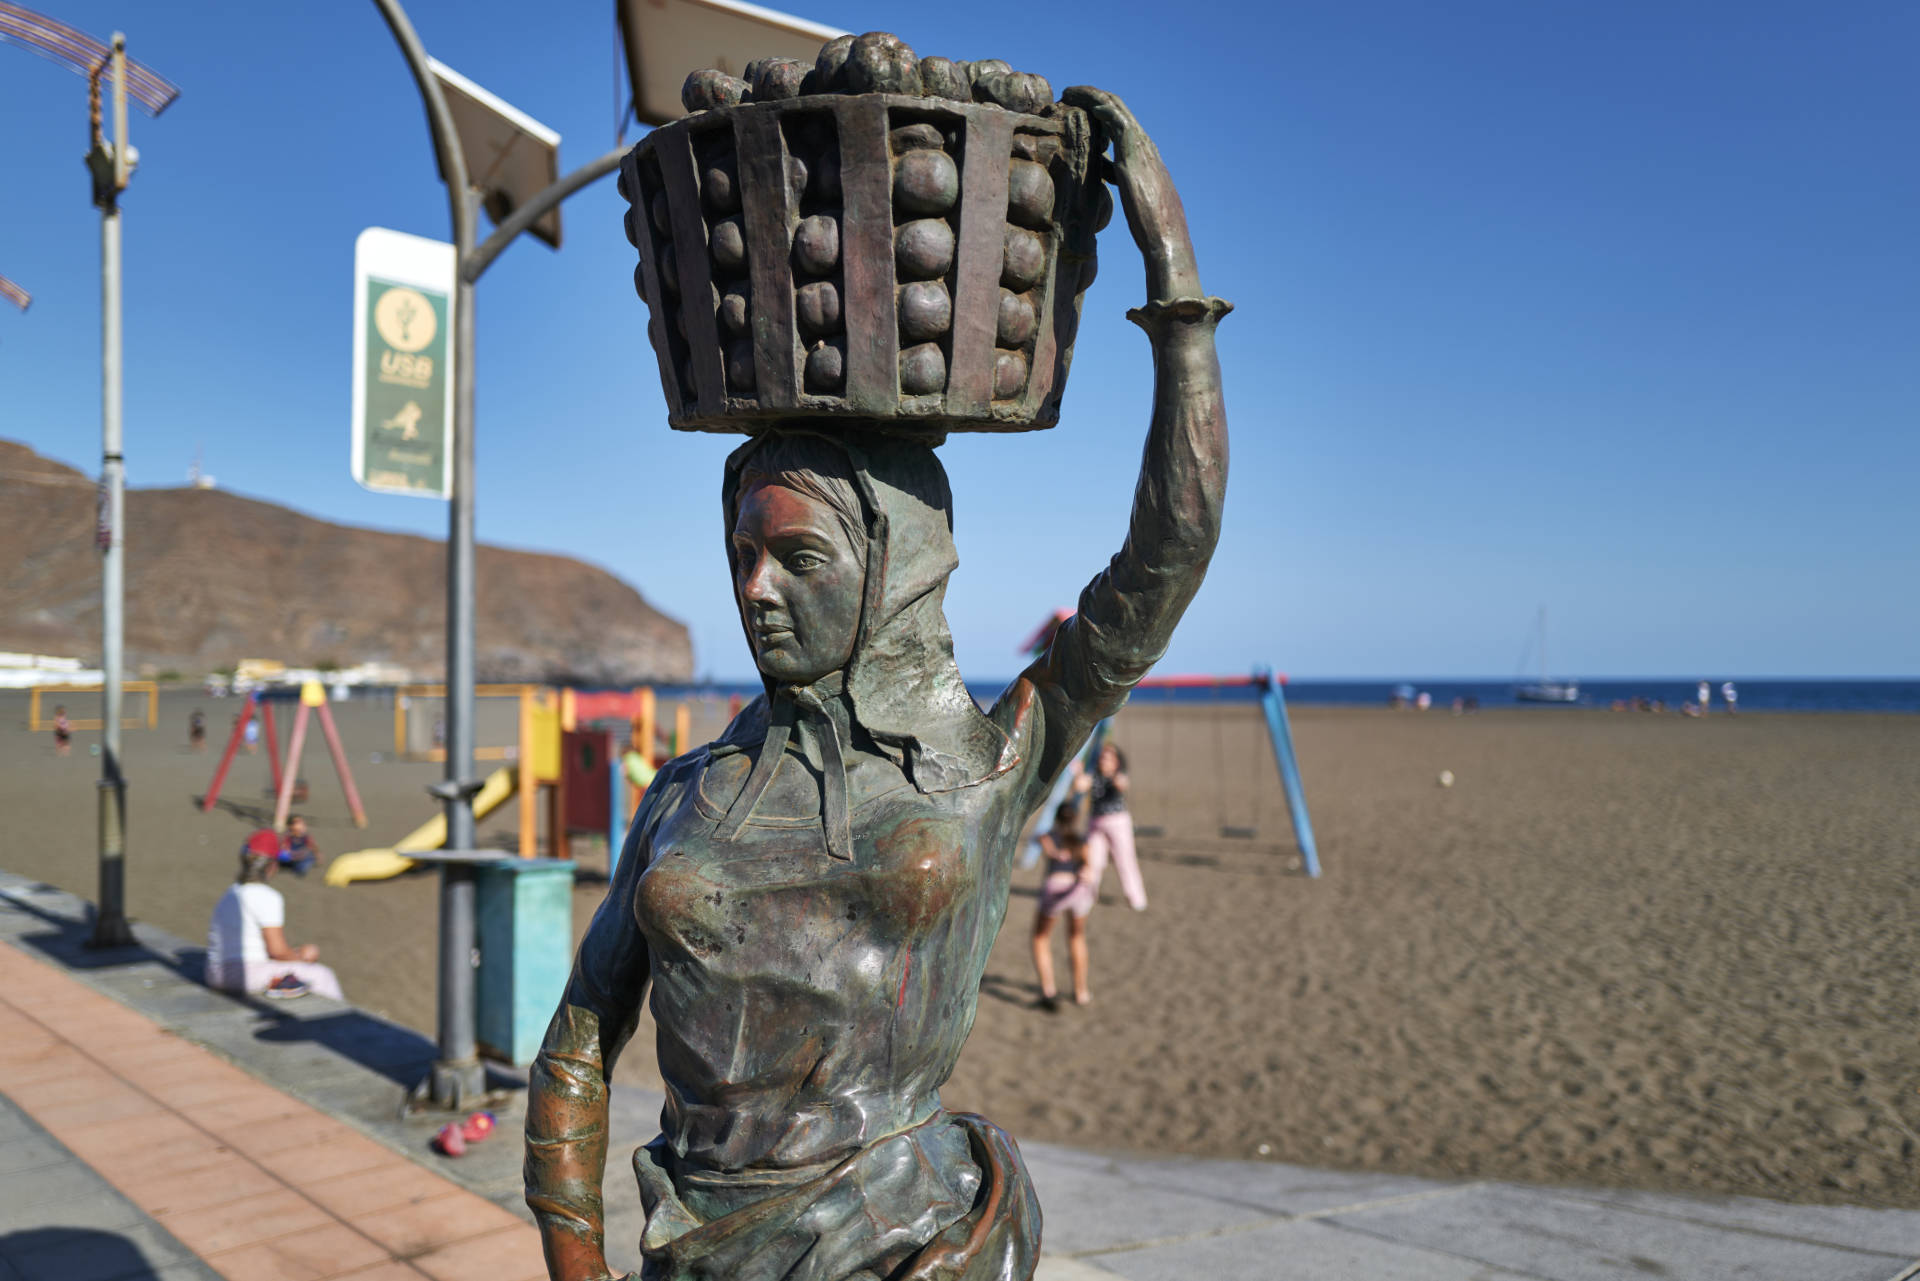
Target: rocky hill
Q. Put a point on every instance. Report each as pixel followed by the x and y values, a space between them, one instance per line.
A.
pixel 213 577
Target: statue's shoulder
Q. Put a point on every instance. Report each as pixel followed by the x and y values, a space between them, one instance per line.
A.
pixel 747 729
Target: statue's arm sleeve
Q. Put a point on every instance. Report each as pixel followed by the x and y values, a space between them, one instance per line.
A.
pixel 566 1151
pixel 1127 613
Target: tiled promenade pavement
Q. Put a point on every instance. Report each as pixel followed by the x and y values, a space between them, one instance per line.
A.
pixel 255 1183
pixel 143 1141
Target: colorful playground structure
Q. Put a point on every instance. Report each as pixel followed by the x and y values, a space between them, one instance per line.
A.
pixel 584 757
pixel 1169 718
pixel 565 753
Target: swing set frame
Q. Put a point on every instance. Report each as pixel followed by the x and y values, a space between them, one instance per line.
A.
pixel 312 699
pixel 1273 709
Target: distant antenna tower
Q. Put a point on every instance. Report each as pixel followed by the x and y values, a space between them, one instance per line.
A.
pixel 195 477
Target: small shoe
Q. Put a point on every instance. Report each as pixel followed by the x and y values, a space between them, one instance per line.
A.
pixel 477 1127
pixel 450 1142
pixel 285 988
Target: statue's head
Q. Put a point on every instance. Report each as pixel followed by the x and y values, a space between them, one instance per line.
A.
pixel 798 547
pixel 840 547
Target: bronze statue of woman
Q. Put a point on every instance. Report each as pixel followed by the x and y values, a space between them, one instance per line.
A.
pixel 808 903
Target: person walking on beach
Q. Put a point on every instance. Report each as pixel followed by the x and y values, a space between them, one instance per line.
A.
pixel 1110 829
pixel 1732 696
pixel 62 731
pixel 197 731
pixel 252 734
pixel 247 948
pixel 1072 884
pixel 1706 696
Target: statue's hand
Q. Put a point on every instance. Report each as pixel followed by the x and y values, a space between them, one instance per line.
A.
pixel 1154 213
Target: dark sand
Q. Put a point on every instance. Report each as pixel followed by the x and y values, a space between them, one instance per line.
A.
pixel 1623 949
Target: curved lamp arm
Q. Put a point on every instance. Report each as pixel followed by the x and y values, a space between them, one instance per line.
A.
pixel 475 264
pixel 446 138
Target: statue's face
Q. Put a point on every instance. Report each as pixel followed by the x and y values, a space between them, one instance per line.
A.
pixel 799 581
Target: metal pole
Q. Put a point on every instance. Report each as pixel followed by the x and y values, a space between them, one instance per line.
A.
pixel 1273 703
pixel 110 919
pixel 456 1075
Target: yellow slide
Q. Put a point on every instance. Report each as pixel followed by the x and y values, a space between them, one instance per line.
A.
pixel 378 865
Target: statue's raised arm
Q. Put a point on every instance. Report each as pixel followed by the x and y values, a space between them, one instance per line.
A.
pixel 1128 612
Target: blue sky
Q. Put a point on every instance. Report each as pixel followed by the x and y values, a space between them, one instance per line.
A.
pixel 1611 307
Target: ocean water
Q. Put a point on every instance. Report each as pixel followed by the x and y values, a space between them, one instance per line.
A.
pixel 1786 694
pixel 1773 695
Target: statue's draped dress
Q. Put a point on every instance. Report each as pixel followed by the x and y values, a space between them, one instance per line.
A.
pixel 813 897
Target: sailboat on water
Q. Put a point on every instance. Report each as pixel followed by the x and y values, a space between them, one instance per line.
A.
pixel 1546 689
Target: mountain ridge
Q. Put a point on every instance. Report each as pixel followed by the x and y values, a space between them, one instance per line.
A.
pixel 213 577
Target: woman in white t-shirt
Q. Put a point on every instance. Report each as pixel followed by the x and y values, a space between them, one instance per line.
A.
pixel 247 948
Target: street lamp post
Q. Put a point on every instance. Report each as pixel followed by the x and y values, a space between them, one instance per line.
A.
pixel 111 164
pixel 457 1074
pixel 743 28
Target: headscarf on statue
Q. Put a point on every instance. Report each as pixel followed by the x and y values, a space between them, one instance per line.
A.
pixel 902 684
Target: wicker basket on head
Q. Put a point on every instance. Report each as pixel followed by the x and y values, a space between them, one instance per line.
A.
pixel 910 262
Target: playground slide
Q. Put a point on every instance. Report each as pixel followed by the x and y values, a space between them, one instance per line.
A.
pixel 378 865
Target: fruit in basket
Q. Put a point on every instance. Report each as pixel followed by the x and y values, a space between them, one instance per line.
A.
pixel 720 190
pixel 830 68
pixel 1009 374
pixel 776 78
pixel 925 182
pixel 926 310
pixel 826 367
pixel 705 90
pixel 923 369
pixel 1025 260
pixel 816 245
pixel 1029 194
pixel 728 245
pixel 740 371
pixel 914 137
pixel 983 67
pixel 1017 319
pixel 923 248
pixel 882 63
pixel 1014 90
pixel 736 310
pixel 817 307
pixel 945 78
pixel 948 141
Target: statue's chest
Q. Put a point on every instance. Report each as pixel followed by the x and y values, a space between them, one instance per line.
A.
pixel 772 888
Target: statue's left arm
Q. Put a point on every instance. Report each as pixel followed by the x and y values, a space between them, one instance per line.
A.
pixel 1127 613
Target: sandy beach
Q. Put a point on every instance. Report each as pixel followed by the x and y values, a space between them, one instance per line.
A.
pixel 1621 949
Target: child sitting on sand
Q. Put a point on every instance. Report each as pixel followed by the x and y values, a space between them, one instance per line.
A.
pixel 1071 886
pixel 298 850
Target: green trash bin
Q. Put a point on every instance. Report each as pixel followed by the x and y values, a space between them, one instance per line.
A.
pixel 524 924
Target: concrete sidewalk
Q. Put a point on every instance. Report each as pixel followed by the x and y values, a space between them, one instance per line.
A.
pixel 183 1130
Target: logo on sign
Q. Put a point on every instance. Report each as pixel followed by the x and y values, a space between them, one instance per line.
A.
pixel 405 319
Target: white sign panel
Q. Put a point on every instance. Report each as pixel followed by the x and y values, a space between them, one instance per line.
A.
pixel 403 363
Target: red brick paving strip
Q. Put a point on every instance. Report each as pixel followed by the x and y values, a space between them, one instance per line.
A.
pixel 261 1186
